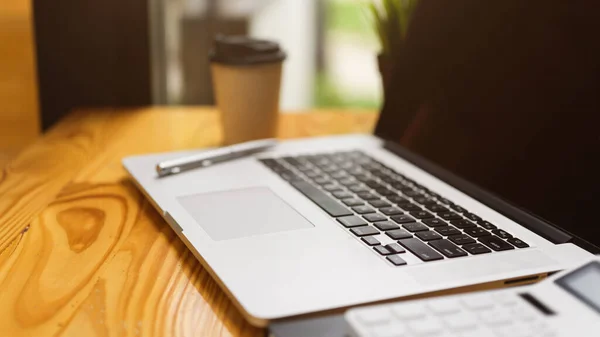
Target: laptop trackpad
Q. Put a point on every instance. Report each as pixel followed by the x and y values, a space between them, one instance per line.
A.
pixel 241 213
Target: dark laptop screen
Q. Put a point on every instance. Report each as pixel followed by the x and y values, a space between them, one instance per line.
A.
pixel 506 94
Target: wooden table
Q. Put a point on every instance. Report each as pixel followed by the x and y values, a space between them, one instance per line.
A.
pixel 82 253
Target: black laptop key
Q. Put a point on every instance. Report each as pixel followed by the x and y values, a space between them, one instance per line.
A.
pixel 398 200
pixel 410 207
pixel 395 248
pixel 435 222
pixel 364 231
pixel 502 234
pixel 434 195
pixel 341 174
pixel 391 210
pixel 373 184
pixel 445 201
pixel 448 248
pixel 424 201
pixel 496 243
pixel 461 239
pixel 353 202
pixel 363 209
pixel 477 232
pixel 290 176
pixel 400 186
pixel 371 241
pixel 420 249
pixel 347 181
pixel 518 242
pixel 458 209
pixel 380 203
pixel 382 250
pixel 342 194
pixel 447 230
pixel 351 221
pixel 270 162
pixel 422 215
pixel 397 234
pixel 324 201
pixel 476 248
pixel 437 208
pixel 332 187
pixel 412 193
pixel 355 170
pixel 374 217
pixel 415 227
pixel 362 177
pixel 385 225
pixel 358 188
pixel 294 161
pixel 428 236
pixel 385 191
pixel 322 180
pixel 403 218
pixel 472 216
pixel 396 260
pixel 312 174
pixel 367 196
pixel 449 216
pixel 486 224
pixel 462 223
pixel 331 169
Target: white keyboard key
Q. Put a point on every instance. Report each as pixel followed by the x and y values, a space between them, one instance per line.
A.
pixel 514 330
pixel 409 311
pixel 460 321
pixel 426 327
pixel 542 329
pixel 389 330
pixel 478 332
pixel 547 333
pixel 478 302
pixel 496 317
pixel 445 306
pixel 525 313
pixel 374 316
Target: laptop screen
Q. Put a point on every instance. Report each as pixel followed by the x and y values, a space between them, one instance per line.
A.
pixel 506 94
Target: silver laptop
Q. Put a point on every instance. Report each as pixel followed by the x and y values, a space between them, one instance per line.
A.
pixel 334 222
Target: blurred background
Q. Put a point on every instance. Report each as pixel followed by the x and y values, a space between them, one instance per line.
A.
pixel 61 56
pixel 331 48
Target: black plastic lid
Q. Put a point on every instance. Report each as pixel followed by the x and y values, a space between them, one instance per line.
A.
pixel 242 50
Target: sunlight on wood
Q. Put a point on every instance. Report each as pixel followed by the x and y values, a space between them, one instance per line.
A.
pixel 82 253
pixel 19 121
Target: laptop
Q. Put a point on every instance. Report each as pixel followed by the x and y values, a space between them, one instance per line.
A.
pixel 482 171
pixel 334 222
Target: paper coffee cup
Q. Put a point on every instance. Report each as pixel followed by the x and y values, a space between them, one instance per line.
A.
pixel 246 77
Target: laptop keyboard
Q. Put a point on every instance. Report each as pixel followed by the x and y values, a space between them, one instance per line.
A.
pixel 370 199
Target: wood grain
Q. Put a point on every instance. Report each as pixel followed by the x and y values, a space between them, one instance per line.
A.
pixel 82 253
pixel 19 121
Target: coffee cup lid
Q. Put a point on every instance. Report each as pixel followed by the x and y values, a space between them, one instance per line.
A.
pixel 243 50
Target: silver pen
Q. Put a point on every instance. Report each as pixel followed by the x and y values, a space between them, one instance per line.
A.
pixel 212 157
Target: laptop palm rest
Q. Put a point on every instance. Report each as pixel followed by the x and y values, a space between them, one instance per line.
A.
pixel 240 213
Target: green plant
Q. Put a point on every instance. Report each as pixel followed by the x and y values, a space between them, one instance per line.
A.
pixel 391 19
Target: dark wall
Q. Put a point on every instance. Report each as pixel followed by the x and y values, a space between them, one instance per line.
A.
pixel 91 54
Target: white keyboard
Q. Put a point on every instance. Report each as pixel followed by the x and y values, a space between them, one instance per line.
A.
pixel 564 305
pixel 479 315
